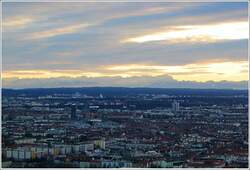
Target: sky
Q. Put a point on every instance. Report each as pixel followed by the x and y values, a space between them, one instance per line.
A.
pixel 143 44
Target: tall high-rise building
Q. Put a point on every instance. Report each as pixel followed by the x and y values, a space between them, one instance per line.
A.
pixel 175 106
pixel 73 112
pixel 101 96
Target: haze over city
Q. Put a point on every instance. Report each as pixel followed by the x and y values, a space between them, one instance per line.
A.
pixel 125 85
pixel 187 45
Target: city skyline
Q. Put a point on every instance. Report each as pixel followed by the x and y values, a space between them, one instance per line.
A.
pixel 125 44
pixel 125 85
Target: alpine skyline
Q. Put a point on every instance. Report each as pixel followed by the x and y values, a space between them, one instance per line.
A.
pixel 125 44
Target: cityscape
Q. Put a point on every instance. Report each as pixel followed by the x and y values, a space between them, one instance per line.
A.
pixel 122 127
pixel 124 84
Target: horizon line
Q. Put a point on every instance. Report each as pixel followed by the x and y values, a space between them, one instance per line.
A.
pixel 177 88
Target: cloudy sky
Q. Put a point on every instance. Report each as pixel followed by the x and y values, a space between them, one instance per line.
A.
pixel 125 44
